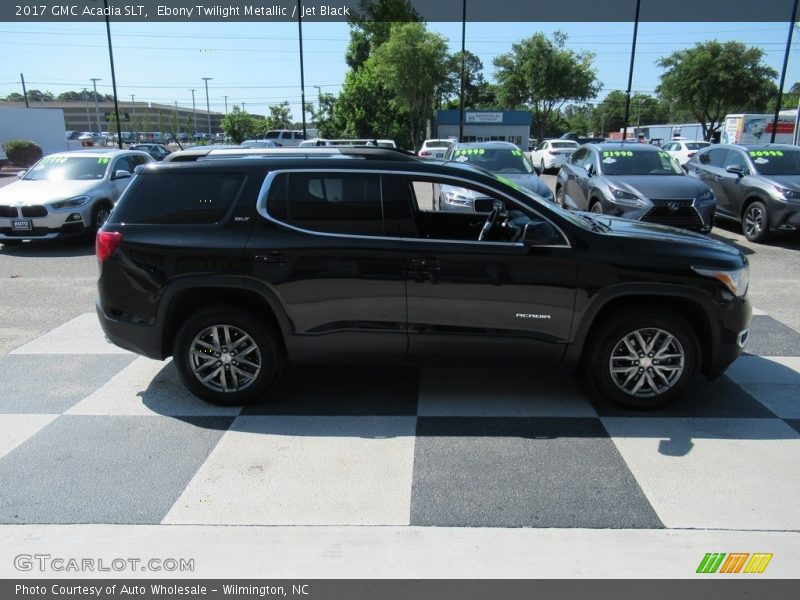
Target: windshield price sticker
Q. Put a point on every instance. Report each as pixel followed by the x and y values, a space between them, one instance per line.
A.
pixel 664 154
pixel 103 161
pixel 765 153
pixel 516 152
pixel 470 151
pixel 617 153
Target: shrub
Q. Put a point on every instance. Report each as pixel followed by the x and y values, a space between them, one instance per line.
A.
pixel 22 152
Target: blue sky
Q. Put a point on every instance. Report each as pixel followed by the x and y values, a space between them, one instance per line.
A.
pixel 258 64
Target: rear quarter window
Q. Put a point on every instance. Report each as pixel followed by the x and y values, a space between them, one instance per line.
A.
pixel 187 198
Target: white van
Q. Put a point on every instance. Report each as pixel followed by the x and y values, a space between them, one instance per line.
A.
pixel 286 137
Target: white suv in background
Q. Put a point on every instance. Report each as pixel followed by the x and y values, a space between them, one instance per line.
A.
pixel 286 137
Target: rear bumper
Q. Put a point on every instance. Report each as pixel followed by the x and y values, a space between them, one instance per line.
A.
pixel 135 337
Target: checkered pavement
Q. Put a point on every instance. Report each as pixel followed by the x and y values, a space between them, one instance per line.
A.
pixel 93 434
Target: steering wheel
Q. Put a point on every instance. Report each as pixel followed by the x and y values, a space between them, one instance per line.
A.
pixel 489 224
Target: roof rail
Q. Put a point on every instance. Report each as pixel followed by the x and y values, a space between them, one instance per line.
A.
pixel 367 153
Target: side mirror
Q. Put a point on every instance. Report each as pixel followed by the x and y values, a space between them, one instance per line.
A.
pixel 121 174
pixel 540 233
pixel 484 204
pixel 590 170
pixel 736 170
pixel 21 174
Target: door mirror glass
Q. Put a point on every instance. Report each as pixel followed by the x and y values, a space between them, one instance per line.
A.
pixel 484 204
pixel 21 174
pixel 540 233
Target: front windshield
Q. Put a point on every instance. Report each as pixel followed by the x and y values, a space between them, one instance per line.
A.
pixel 776 162
pixel 503 160
pixel 633 162
pixel 58 168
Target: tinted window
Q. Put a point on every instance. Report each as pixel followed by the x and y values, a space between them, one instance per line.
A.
pixel 179 198
pixel 123 164
pixel 563 144
pixel 735 159
pixel 272 135
pixel 714 157
pixel 579 156
pixel 347 203
pixel 697 145
pixel 137 160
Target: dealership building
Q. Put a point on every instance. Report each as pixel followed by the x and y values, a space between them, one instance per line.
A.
pixel 486 126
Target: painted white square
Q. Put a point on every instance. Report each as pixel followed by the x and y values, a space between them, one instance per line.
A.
pixel 500 393
pixel 304 471
pixel 714 473
pixel 81 335
pixel 147 387
pixel 16 429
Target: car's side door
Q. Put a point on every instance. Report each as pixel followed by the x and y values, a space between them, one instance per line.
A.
pixel 575 174
pixel 707 167
pixel 731 184
pixel 473 300
pixel 320 245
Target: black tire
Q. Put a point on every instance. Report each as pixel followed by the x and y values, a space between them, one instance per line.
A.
pixel 609 340
pixel 755 222
pixel 100 214
pixel 596 207
pixel 560 197
pixel 268 356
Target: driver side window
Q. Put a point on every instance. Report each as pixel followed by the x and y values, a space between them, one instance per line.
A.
pixel 444 209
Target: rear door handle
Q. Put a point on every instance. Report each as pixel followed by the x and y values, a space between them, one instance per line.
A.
pixel 273 258
pixel 718 177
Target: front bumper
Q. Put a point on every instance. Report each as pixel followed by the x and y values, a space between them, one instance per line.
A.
pixel 784 214
pixel 54 224
pixel 734 320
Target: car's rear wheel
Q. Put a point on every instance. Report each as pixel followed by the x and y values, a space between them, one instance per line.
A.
pixel 560 198
pixel 227 356
pixel 643 358
pixel 755 222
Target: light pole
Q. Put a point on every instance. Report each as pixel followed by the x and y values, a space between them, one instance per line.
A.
pixel 208 106
pixel 226 104
pixel 463 67
pixel 194 112
pixel 94 81
pixel 302 75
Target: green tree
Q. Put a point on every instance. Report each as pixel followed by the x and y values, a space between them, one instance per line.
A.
pixel 324 117
pixel 70 96
pixel 280 116
pixel 238 125
pixel 714 78
pixel 474 82
pixel 412 64
pixel 370 27
pixel 540 73
pixel 14 97
pixel 789 99
pixel 577 118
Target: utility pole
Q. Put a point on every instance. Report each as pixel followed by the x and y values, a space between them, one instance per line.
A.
pixel 113 77
pixel 24 91
pixel 208 106
pixel 94 81
pixel 86 101
pixel 226 104
pixel 194 112
pixel 463 68
pixel 302 77
pixel 630 72
pixel 783 73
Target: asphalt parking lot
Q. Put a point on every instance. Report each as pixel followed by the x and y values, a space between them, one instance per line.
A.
pixel 397 471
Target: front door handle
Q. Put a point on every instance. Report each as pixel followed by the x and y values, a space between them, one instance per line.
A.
pixel 718 177
pixel 426 263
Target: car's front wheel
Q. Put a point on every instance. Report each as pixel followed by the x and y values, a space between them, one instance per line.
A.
pixel 227 356
pixel 560 199
pixel 643 358
pixel 755 222
pixel 597 207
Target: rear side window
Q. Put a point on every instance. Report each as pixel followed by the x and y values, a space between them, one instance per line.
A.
pixel 179 198
pixel 346 203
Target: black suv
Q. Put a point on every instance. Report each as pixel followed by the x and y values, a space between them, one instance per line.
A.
pixel 237 264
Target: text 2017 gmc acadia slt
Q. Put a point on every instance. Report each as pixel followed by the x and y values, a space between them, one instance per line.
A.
pixel 236 264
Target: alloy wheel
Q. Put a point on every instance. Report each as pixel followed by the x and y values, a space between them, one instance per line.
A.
pixel 753 221
pixel 597 208
pixel 647 362
pixel 225 358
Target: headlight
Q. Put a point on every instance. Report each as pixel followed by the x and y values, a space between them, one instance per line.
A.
pixel 735 280
pixel 71 202
pixel 457 199
pixel 624 198
pixel 706 197
pixel 789 194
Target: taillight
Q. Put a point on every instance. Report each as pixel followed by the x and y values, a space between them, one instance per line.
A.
pixel 691 154
pixel 105 243
pixel 424 153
